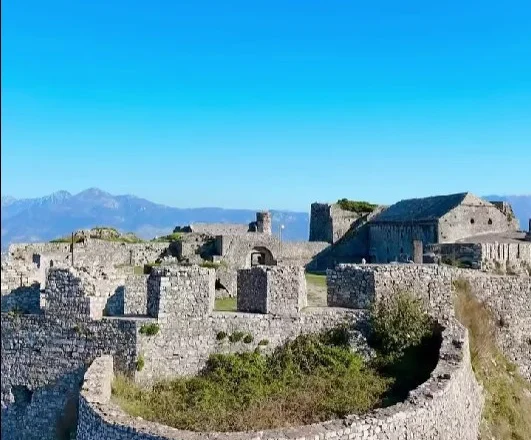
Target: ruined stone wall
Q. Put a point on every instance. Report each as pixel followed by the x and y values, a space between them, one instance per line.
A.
pixel 44 357
pixel 220 228
pixel 274 289
pixel 135 295
pixel 446 407
pixel 91 253
pixel 508 297
pixel 473 217
pixel 394 241
pixel 328 222
pixel 182 301
pixel 503 257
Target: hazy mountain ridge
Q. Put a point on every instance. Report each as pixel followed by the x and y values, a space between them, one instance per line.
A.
pixel 45 218
pixel 57 214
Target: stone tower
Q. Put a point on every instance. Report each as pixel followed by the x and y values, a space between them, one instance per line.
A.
pixel 263 222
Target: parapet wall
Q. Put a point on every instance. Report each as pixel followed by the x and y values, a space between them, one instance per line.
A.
pixel 508 297
pixel 446 407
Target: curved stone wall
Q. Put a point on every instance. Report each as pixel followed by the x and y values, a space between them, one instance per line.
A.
pixel 446 407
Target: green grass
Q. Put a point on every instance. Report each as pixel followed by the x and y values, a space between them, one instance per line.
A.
pixel 316 280
pixel 359 207
pixel 308 380
pixel 225 304
pixel 174 236
pixel 507 412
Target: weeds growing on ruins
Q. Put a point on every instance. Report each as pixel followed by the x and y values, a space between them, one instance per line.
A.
pixel 313 378
pixel 507 412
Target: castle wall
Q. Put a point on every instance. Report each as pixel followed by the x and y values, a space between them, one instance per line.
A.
pixel 91 253
pixel 276 290
pixel 220 228
pixel 509 298
pixel 394 241
pixel 135 295
pixel 328 222
pixel 446 407
pixel 321 222
pixel 473 217
pixel 182 301
pixel 490 256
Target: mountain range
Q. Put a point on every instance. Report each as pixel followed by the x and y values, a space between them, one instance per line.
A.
pixel 52 216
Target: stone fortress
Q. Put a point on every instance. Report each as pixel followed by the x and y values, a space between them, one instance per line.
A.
pixel 73 314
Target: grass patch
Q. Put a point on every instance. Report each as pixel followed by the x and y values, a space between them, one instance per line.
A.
pixel 225 304
pixel 359 207
pixel 150 329
pixel 308 380
pixel 174 236
pixel 507 412
pixel 316 280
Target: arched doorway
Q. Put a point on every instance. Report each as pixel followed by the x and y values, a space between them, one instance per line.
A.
pixel 261 256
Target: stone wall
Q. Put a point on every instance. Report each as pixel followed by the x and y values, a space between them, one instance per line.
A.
pixel 446 407
pixel 328 222
pixel 473 216
pixel 394 241
pixel 501 257
pixel 276 290
pixel 508 297
pixel 92 253
pixel 135 295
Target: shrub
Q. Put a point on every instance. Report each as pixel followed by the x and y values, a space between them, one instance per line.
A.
pixel 150 329
pixel 264 342
pixel 248 338
pixel 140 363
pixel 305 381
pixel 221 335
pixel 398 322
pixel 210 264
pixel 174 236
pixel 359 207
pixel 236 336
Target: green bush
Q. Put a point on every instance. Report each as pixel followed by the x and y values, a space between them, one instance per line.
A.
pixel 221 335
pixel 264 342
pixel 248 338
pixel 359 207
pixel 210 264
pixel 399 322
pixel 140 362
pixel 174 236
pixel 236 336
pixel 305 381
pixel 150 329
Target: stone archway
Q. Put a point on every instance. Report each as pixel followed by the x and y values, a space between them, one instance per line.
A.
pixel 261 256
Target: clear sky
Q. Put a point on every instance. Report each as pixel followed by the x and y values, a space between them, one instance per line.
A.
pixel 266 104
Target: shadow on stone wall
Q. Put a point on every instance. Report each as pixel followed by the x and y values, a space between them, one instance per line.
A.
pixel 115 304
pixel 45 412
pixel 24 299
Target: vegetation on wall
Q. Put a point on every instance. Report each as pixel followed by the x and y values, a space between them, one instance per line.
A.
pixel 307 380
pixel 150 329
pixel 359 207
pixel 174 236
pixel 507 412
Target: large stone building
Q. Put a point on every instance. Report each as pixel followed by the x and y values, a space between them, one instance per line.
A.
pixel 432 220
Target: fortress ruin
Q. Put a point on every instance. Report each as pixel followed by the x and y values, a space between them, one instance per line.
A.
pixel 75 314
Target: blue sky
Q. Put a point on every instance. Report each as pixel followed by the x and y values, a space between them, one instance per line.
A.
pixel 266 104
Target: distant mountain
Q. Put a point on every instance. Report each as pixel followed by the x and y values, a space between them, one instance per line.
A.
pixel 521 207
pixel 52 216
pixel 45 218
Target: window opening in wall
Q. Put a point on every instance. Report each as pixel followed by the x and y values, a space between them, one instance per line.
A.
pixel 490 221
pixel 22 395
pixel 472 221
pixel 51 263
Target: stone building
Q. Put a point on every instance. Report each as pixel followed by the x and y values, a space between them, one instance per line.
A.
pixel 433 220
pixel 328 222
